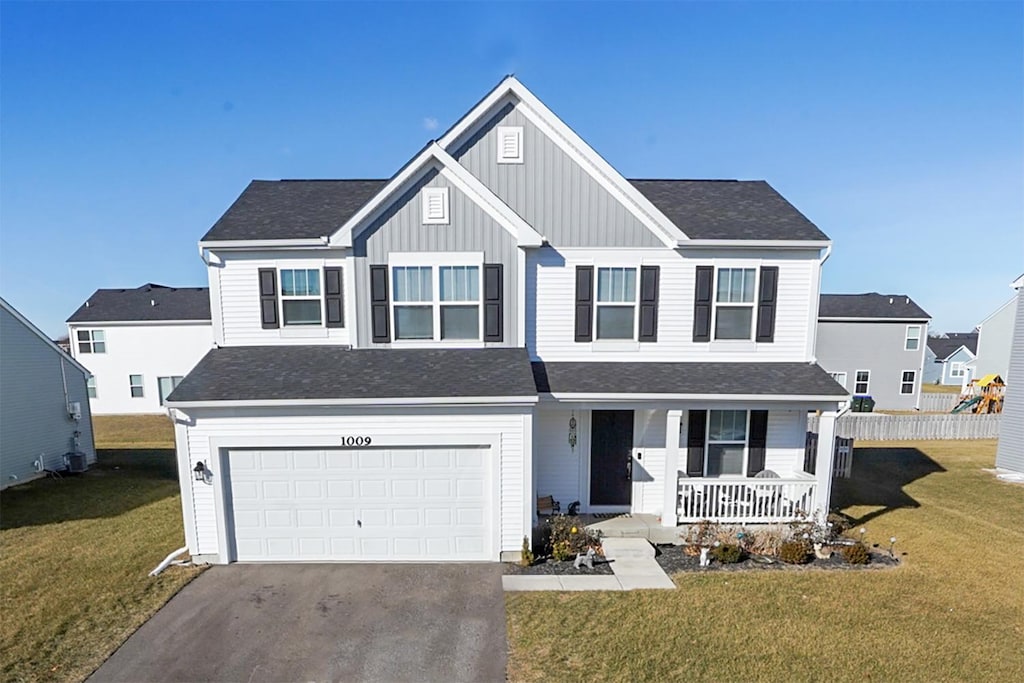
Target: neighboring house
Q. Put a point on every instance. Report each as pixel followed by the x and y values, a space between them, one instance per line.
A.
pixel 874 344
pixel 44 409
pixel 403 367
pixel 1010 452
pixel 947 355
pixel 995 338
pixel 139 343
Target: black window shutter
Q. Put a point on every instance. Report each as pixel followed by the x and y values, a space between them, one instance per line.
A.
pixel 380 327
pixel 757 441
pixel 494 303
pixel 696 425
pixel 702 303
pixel 268 298
pixel 766 303
pixel 584 303
pixel 334 300
pixel 649 276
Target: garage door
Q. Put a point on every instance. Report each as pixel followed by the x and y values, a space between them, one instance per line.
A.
pixel 368 504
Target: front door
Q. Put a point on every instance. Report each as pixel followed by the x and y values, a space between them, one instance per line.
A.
pixel 611 455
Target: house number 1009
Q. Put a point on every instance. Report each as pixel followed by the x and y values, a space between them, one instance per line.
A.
pixel 355 441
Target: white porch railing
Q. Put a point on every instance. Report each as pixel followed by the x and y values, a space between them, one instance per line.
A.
pixel 745 501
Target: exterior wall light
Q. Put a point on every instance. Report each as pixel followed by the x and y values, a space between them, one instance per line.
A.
pixel 200 471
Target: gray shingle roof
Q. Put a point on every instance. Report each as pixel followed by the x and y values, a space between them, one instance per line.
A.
pixel 767 379
pixel 728 210
pixel 703 209
pixel 333 372
pixel 148 302
pixel 872 305
pixel 943 347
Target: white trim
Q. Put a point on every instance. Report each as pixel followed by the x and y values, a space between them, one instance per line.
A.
pixel 717 398
pixel 579 151
pixel 304 242
pixel 374 402
pixel 913 382
pixel 306 266
pixel 428 196
pixel 39 333
pixel 435 261
pixel 504 133
pixel 867 390
pixel 907 338
pixel 849 319
pixel 953 368
pixel 135 323
pixel 613 343
pixel 760 244
pixel 708 442
pixel 752 304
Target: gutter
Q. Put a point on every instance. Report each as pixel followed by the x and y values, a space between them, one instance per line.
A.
pixel 357 402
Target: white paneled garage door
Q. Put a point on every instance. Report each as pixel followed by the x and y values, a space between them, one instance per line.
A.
pixel 412 504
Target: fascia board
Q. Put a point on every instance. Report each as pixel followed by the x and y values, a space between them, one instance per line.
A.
pixel 374 402
pixel 759 244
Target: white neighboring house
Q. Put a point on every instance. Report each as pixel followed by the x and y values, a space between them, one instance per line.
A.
pixel 402 368
pixel 1010 451
pixel 995 339
pixel 139 343
pixel 44 410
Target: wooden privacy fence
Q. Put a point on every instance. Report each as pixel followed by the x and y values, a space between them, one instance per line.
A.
pixel 939 403
pixel 842 454
pixel 880 427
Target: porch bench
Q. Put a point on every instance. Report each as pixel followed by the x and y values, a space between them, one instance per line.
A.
pixel 547 505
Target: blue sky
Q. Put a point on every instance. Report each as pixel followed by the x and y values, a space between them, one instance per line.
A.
pixel 127 129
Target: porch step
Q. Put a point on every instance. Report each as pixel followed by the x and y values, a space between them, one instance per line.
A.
pixel 627 549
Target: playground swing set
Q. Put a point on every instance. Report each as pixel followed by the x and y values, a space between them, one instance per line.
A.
pixel 982 396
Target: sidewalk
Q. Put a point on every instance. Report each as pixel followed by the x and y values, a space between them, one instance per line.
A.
pixel 633 568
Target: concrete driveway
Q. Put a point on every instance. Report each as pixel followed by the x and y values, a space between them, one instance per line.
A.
pixel 338 622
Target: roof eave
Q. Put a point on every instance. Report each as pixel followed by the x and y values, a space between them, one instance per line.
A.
pixel 760 244
pixel 357 402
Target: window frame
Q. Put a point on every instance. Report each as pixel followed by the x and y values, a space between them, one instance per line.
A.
pixel 91 341
pixel 917 340
pixel 174 386
pixel 282 297
pixel 955 365
pixel 635 304
pixel 752 304
pixel 435 262
pixel 708 442
pixel 904 382
pixel 443 193
pixel 835 376
pixel 502 133
pixel 141 386
pixel 857 382
pixel 90 387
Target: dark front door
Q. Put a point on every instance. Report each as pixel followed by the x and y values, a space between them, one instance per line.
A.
pixel 611 454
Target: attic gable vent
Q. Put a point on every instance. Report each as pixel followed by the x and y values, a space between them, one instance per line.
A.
pixel 435 206
pixel 510 144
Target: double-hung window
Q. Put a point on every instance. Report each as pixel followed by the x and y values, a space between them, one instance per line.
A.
pixel 839 377
pixel 135 386
pixel 956 369
pixel 727 443
pixel 616 303
pixel 862 382
pixel 90 387
pixel 907 382
pixel 300 296
pixel 436 303
pixel 734 303
pixel 913 340
pixel 92 341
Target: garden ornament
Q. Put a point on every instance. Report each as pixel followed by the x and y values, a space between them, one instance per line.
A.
pixel 821 553
pixel 587 559
pixel 704 561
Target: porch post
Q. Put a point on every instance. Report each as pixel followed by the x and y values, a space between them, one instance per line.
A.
pixel 669 509
pixel 823 458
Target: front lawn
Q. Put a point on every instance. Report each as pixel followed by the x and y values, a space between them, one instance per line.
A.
pixel 75 554
pixel 953 612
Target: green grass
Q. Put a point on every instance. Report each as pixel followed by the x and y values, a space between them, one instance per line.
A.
pixel 939 389
pixel 953 612
pixel 75 554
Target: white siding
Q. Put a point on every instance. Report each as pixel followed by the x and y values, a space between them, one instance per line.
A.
pixel 462 425
pixel 550 294
pixel 559 468
pixel 1010 453
pixel 152 350
pixel 787 437
pixel 237 280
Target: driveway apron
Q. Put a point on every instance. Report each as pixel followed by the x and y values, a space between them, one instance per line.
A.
pixel 336 622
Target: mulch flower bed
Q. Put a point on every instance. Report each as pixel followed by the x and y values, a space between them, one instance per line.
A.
pixel 673 559
pixel 547 566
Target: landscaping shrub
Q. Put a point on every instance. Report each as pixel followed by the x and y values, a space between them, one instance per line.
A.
pixel 795 552
pixel 703 534
pixel 840 524
pixel 565 536
pixel 856 553
pixel 527 557
pixel 766 541
pixel 728 553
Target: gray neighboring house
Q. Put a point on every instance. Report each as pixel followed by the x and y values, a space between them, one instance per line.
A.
pixel 874 345
pixel 995 336
pixel 947 355
pixel 1010 453
pixel 44 403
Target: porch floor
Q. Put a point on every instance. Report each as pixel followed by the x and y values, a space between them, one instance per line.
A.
pixel 634 526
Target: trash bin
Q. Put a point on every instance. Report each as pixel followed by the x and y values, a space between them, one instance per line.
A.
pixel 857 405
pixel 868 405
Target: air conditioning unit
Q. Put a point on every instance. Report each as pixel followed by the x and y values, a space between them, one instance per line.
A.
pixel 76 461
pixel 75 410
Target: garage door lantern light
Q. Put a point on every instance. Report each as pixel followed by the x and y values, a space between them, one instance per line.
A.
pixel 200 472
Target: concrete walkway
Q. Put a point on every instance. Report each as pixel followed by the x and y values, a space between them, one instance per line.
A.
pixel 633 568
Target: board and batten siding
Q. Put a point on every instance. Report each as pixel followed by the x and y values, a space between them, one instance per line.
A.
pixel 235 298
pixel 461 424
pixel 550 297
pixel 401 230
pixel 34 421
pixel 878 347
pixel 1010 452
pixel 561 200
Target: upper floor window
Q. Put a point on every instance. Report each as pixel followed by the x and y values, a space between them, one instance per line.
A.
pixel 300 297
pixel 839 377
pixel 90 387
pixel 135 386
pixel 862 382
pixel 616 303
pixel 436 303
pixel 734 303
pixel 510 144
pixel 435 206
pixel 727 443
pixel 92 341
pixel 913 341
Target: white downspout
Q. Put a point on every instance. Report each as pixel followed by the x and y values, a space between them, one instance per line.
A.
pixel 168 560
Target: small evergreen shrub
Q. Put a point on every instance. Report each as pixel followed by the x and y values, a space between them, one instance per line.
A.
pixel 856 553
pixel 527 557
pixel 728 553
pixel 795 552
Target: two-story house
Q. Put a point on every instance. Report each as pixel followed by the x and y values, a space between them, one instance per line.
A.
pixel 946 357
pixel 139 343
pixel 403 366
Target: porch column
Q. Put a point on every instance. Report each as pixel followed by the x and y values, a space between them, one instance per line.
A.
pixel 823 458
pixel 669 508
